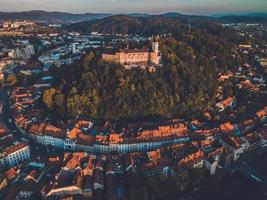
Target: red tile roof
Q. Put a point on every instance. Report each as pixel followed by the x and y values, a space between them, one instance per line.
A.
pixel 15 148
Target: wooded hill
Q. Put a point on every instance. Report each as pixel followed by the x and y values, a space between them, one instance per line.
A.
pixel 184 86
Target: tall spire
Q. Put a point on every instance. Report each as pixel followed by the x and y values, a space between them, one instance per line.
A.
pixel 189 25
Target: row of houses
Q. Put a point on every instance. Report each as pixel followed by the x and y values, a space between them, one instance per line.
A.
pixel 84 136
pixel 13 152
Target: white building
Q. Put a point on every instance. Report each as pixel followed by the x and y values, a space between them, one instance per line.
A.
pixel 211 164
pixel 15 154
pixel 234 148
pixel 50 140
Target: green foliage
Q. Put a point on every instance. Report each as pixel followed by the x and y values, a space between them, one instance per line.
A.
pixel 175 186
pixel 48 97
pixel 183 87
pixel 128 25
pixel 59 100
pixel 11 80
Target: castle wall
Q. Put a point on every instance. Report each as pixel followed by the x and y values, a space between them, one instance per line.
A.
pixel 110 57
pixel 133 58
pixel 154 58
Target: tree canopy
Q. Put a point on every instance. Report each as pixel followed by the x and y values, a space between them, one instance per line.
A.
pixel 184 86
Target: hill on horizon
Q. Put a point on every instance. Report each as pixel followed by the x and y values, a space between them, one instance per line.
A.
pixel 70 18
pixel 54 17
pixel 148 25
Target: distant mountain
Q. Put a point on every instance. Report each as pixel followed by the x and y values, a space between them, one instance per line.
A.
pixel 140 24
pixel 139 15
pixel 128 25
pixel 70 18
pixel 55 17
pixel 257 14
pixel 248 18
pixel 172 15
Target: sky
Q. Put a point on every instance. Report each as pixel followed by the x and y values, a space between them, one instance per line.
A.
pixel 205 7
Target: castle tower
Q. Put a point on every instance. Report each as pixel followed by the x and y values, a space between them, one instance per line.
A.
pixel 155 44
pixel 155 56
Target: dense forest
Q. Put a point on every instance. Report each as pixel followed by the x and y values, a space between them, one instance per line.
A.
pixel 128 25
pixel 184 86
pixel 149 24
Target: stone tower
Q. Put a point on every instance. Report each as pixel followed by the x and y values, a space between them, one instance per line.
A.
pixel 155 44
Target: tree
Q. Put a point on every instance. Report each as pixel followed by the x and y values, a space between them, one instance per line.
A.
pixel 89 58
pixel 12 80
pixel 59 100
pixel 48 97
pixel 185 85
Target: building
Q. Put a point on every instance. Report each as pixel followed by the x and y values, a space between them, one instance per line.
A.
pixel 3 182
pixel 195 160
pixel 245 46
pixel 16 24
pixel 227 103
pixel 213 157
pixel 230 129
pixel 263 135
pixel 5 136
pixel 25 52
pixel 262 115
pixel 135 56
pixel 234 147
pixel 253 141
pixel 21 191
pixel 211 164
pixel 15 154
pixel 48 134
pixel 69 181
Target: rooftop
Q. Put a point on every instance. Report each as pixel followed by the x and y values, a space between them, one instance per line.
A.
pixel 15 148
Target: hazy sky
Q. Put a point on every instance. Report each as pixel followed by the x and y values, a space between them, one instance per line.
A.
pixel 145 6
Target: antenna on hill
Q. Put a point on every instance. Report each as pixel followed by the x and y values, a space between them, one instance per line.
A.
pixel 189 25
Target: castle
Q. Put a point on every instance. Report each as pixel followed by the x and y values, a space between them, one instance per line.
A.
pixel 135 56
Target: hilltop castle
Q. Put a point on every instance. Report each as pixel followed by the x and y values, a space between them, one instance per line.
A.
pixel 135 56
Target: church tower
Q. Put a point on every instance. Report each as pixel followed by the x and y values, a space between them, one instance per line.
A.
pixel 155 44
pixel 155 56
